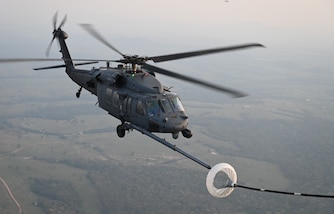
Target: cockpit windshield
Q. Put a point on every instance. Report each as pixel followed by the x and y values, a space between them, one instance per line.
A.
pixel 176 103
pixel 168 104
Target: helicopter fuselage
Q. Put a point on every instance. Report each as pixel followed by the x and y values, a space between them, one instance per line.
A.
pixel 136 97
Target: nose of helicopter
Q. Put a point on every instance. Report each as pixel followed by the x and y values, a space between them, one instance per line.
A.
pixel 167 115
pixel 176 122
pixel 171 123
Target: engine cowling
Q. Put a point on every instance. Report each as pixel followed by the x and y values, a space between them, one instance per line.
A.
pixel 112 78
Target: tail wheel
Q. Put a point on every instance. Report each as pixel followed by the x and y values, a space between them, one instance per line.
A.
pixel 120 131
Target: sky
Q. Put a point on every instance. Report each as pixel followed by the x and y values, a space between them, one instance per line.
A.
pixel 173 24
pixel 296 33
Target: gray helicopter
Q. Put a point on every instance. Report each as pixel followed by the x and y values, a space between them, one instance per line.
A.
pixel 130 91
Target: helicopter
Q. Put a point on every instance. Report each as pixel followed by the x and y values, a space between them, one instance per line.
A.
pixel 131 92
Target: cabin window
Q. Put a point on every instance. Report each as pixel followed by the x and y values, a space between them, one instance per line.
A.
pixel 140 108
pixel 123 106
pixel 109 95
pixel 128 105
pixel 115 99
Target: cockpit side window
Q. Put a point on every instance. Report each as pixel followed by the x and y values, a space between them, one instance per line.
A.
pixel 153 107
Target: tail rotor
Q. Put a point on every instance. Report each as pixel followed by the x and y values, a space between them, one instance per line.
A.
pixel 55 30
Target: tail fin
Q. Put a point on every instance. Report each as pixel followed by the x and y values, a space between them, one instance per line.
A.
pixel 61 36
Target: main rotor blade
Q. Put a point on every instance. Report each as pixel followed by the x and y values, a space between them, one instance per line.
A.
pixel 169 57
pixel 90 29
pixel 11 60
pixel 62 66
pixel 232 92
pixel 50 67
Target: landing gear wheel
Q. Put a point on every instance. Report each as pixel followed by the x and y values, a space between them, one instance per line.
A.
pixel 78 93
pixel 187 133
pixel 120 131
pixel 175 135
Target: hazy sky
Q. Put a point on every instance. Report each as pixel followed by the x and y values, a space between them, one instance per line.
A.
pixel 299 31
pixel 307 23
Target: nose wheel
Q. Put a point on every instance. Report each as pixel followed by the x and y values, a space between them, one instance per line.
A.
pixel 175 135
